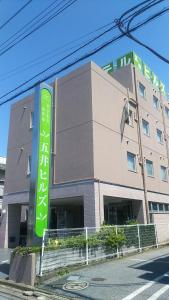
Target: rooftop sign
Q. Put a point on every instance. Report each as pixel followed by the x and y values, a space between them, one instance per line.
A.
pixel 133 58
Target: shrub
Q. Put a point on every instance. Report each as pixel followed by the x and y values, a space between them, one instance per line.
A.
pixel 26 250
pixel 132 222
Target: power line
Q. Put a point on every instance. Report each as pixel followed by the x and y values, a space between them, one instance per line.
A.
pixel 76 39
pixel 139 25
pixel 63 8
pixel 88 42
pixel 15 14
pixel 129 35
pixel 28 23
pixel 62 59
pixel 35 61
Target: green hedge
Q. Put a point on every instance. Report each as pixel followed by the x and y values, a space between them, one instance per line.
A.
pixel 110 237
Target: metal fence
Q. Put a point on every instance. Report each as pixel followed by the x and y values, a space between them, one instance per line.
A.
pixel 65 247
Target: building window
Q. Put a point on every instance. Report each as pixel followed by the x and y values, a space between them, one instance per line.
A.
pixel 159 136
pixel 142 90
pixel 130 118
pixel 29 165
pixel 161 207
pixel 149 205
pixel 146 128
pixel 155 102
pixel 163 173
pixel 149 167
pixel 167 112
pixel 131 159
pixel 166 207
pixel 31 120
pixel 154 206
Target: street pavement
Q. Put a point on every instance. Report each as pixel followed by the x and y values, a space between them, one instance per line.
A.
pixel 143 276
pixel 4 262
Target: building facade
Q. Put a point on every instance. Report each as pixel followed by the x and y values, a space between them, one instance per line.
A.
pixel 2 179
pixel 109 155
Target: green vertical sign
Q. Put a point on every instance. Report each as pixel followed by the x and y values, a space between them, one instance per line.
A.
pixel 43 173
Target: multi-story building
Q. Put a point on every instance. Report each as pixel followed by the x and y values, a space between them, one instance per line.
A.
pixel 109 155
pixel 2 179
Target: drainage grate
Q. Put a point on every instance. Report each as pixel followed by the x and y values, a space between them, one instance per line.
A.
pixel 75 285
pixel 98 279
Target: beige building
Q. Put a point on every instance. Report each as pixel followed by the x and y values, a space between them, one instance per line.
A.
pixel 110 153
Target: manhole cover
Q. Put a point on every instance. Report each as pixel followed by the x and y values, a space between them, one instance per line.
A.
pixel 98 279
pixel 75 285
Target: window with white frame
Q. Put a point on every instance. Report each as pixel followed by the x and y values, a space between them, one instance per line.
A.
pixel 146 127
pixel 163 173
pixel 166 207
pixel 142 90
pixel 29 165
pixel 131 160
pixel 159 136
pixel 31 120
pixel 167 112
pixel 161 207
pixel 149 167
pixel 156 102
pixel 156 207
pixel 130 118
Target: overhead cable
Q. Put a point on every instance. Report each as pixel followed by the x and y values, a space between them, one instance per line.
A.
pixel 15 14
pixel 127 31
pixel 47 77
pixel 13 44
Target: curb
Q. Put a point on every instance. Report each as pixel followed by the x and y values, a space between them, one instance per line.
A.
pixel 23 287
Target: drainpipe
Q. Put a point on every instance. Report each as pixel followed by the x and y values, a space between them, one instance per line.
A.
pixel 99 202
pixel 141 151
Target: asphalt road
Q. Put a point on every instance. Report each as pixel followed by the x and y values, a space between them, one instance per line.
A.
pixel 4 262
pixel 143 276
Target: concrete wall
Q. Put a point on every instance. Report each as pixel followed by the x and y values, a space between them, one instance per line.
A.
pixel 110 151
pixel 19 147
pixel 73 139
pixel 153 150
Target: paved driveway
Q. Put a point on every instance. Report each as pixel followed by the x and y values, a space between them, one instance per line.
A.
pixel 4 262
pixel 143 276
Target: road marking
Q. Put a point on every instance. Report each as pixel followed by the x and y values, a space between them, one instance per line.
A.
pixel 144 287
pixel 137 259
pixel 161 261
pixel 159 293
pixel 4 261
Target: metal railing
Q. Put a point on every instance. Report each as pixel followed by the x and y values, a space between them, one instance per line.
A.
pixel 65 247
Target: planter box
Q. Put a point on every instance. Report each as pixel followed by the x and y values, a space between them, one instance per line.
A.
pixel 22 268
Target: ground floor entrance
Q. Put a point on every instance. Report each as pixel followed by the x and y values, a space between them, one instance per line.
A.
pixel 119 211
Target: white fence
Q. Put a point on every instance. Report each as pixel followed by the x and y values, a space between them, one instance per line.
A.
pixel 65 247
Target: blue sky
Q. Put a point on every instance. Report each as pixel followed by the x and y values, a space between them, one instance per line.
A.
pixel 81 18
